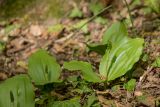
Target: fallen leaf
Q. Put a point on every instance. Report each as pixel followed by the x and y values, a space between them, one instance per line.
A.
pixel 35 30
pixel 138 93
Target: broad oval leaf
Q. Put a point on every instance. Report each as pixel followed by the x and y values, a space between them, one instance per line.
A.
pixel 116 34
pixel 85 68
pixel 43 68
pixel 17 92
pixel 118 60
pixel 75 102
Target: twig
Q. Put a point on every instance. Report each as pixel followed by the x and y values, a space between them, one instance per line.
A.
pixel 103 10
pixel 65 38
pixel 129 12
pixel 77 30
pixel 142 78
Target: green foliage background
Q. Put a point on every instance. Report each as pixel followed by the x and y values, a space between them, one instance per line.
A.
pixel 32 8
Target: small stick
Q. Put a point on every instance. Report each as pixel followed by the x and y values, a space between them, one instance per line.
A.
pixel 103 10
pixel 142 78
pixel 129 12
pixel 72 34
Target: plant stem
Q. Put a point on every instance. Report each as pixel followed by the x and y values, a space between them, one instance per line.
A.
pixel 93 17
pixel 129 12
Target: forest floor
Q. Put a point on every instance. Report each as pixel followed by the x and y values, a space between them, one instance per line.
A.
pixel 59 37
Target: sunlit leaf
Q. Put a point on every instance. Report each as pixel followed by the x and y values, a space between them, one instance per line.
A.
pixel 120 58
pixel 116 34
pixel 17 92
pixel 85 68
pixel 43 68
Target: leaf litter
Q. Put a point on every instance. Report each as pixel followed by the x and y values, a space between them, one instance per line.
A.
pixel 22 41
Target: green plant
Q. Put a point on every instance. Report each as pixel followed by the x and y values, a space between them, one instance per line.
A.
pixel 130 85
pixel 120 58
pixel 17 92
pixel 92 101
pixel 43 68
pixel 76 12
pixel 81 25
pixel 99 48
pixel 100 20
pixel 120 53
pixel 96 7
pixel 85 68
pixel 154 4
pixel 11 28
pixel 156 63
